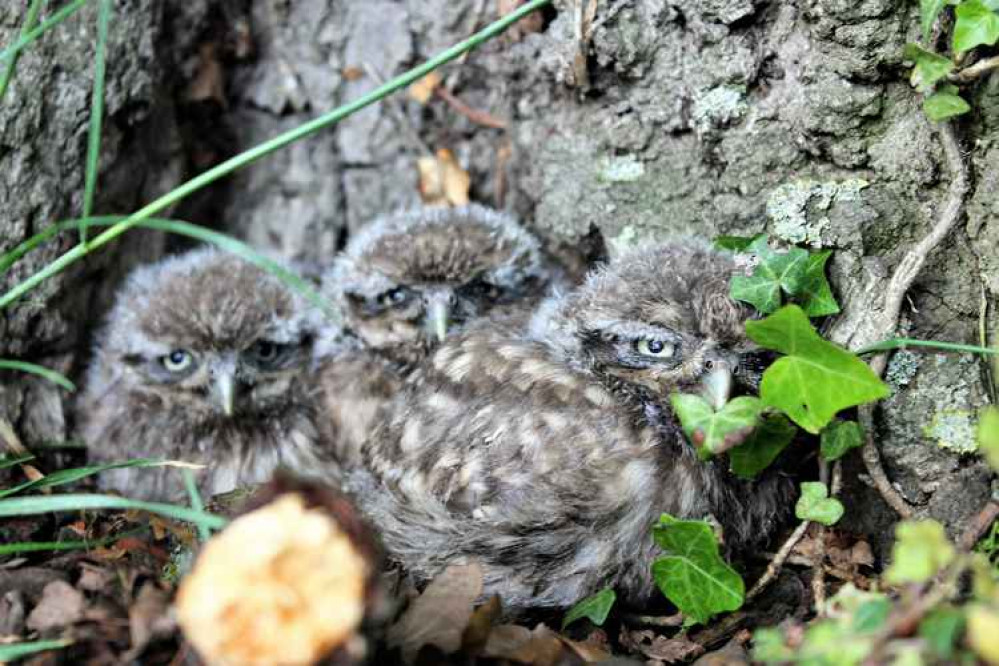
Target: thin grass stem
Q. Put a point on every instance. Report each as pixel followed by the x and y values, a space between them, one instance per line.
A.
pixel 902 343
pixel 39 370
pixel 29 22
pixel 43 27
pixel 204 532
pixel 34 505
pixel 96 114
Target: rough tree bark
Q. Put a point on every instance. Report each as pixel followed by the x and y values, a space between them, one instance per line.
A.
pixel 655 118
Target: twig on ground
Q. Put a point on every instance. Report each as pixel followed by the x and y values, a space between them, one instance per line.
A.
pixel 979 525
pixel 976 71
pixel 775 564
pixel 477 116
pixel 901 280
pixel 720 630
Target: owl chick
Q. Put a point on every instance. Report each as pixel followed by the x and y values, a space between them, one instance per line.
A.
pixel 404 283
pixel 547 453
pixel 204 358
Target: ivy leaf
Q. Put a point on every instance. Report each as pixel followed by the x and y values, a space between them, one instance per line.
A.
pixel 815 295
pixel 871 615
pixel 928 12
pixel 594 607
pixel 988 435
pixel 691 573
pixel 816 505
pixel 713 432
pixel 735 243
pixel 770 438
pixel 983 632
pixel 942 629
pixel 921 550
pixel 944 104
pixel 775 271
pixel 816 378
pixel 976 25
pixel 838 438
pixel 929 67
pixel 769 647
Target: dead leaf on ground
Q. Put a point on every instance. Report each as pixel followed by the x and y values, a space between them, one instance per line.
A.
pixel 594 649
pixel 12 613
pixel 545 648
pixel 148 618
pixel 531 23
pixel 480 626
pixel 94 578
pixel 732 653
pixel 61 605
pixel 505 639
pixel 441 614
pixel 654 646
pixel 352 73
pixel 442 181
pixel 422 90
pixel 208 84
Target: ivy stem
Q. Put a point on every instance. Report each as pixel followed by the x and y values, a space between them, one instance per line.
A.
pixel 976 71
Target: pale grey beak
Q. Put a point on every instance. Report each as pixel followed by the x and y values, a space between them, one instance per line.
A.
pixel 438 311
pixel 224 388
pixel 716 387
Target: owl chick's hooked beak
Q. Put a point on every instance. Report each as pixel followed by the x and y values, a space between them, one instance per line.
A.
pixel 437 313
pixel 223 374
pixel 716 384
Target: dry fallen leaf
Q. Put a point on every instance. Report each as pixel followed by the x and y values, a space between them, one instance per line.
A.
pixel 423 89
pixel 148 618
pixel 61 605
pixel 442 181
pixel 352 73
pixel 654 646
pixel 533 22
pixel 94 578
pixel 543 649
pixel 480 626
pixel 441 614
pixel 208 84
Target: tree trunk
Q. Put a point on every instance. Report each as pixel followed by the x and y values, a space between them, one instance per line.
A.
pixel 655 118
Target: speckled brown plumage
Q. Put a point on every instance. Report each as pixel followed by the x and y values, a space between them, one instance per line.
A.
pixel 204 358
pixel 546 451
pixel 403 283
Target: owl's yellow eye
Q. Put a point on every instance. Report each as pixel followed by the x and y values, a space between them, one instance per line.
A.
pixel 654 347
pixel 177 361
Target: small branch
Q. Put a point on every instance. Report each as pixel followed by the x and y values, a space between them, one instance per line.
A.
pixel 675 620
pixel 979 525
pixel 475 115
pixel 872 461
pixel 14 445
pixel 976 71
pixel 775 565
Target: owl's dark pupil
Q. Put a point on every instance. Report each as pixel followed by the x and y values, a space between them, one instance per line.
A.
pixel 266 350
pixel 177 356
pixel 656 346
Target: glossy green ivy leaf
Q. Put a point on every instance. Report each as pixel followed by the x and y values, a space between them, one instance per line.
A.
pixel 944 104
pixel 735 243
pixel 769 647
pixel 776 271
pixel 871 615
pixel 815 295
pixel 816 505
pixel 816 379
pixel 713 432
pixel 691 573
pixel 928 67
pixel 753 456
pixel 838 438
pixel 975 25
pixel 928 12
pixel 988 435
pixel 921 550
pixel 942 629
pixel 595 608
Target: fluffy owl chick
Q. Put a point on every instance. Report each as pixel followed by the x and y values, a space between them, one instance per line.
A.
pixel 204 358
pixel 403 283
pixel 547 454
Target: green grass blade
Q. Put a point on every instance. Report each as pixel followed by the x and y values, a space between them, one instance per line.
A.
pixel 192 491
pixel 6 463
pixel 43 27
pixel 224 242
pixel 261 150
pixel 96 114
pixel 41 371
pixel 29 22
pixel 49 546
pixel 64 476
pixel 902 343
pixel 30 506
pixel 14 651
